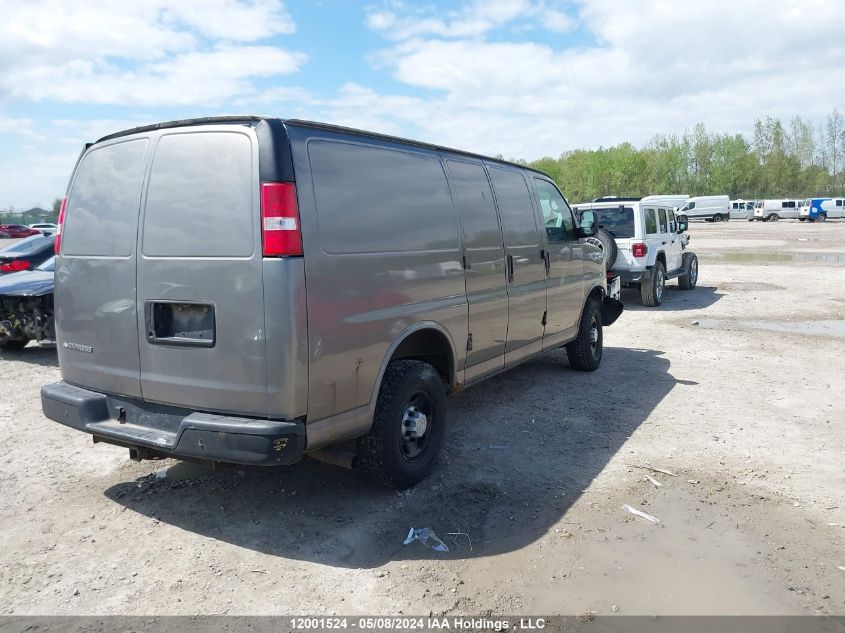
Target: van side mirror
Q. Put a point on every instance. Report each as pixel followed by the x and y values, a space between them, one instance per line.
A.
pixel 587 224
pixel 683 223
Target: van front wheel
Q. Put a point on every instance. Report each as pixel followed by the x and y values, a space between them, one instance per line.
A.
pixel 584 353
pixel 408 426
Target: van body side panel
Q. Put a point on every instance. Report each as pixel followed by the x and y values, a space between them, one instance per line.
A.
pixel 382 252
pixel 200 267
pixel 527 288
pixel 96 321
pixel 286 337
pixel 484 251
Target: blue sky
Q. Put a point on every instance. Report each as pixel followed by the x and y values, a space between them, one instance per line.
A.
pixel 524 78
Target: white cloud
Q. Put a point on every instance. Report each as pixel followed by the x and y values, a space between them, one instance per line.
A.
pixel 557 21
pixel 146 52
pixel 399 21
pixel 657 67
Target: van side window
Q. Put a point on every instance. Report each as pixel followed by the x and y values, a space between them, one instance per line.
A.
pixel 673 228
pixel 372 199
pixel 194 204
pixel 662 213
pixel 515 208
pixel 784 204
pixel 475 205
pixel 839 203
pixel 650 222
pixel 557 216
pixel 103 203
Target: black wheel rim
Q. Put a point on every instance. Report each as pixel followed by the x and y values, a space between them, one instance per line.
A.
pixel 416 426
pixel 595 337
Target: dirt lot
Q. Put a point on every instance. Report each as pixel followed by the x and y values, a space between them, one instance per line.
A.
pixel 746 411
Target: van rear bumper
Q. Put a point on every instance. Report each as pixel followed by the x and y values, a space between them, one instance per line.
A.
pixel 154 430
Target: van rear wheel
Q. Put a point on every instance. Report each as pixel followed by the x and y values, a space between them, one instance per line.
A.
pixel 821 217
pixel 408 426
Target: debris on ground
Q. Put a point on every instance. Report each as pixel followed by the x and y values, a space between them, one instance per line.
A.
pixel 653 469
pixel 427 537
pixel 455 536
pixel 640 513
pixel 656 483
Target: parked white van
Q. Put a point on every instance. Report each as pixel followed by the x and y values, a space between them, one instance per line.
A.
pixel 676 200
pixel 711 208
pixel 780 209
pixel 742 210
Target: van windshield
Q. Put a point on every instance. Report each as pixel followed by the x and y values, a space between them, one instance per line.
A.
pixel 618 221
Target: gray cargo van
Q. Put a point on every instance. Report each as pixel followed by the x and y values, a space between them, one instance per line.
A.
pixel 250 289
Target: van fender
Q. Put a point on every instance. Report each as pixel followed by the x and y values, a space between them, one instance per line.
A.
pixel 404 334
pixel 359 421
pixel 609 307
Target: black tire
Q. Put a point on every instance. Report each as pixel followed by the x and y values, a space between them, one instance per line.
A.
pixel 717 218
pixel 13 344
pixel 774 217
pixel 821 217
pixel 608 247
pixel 389 454
pixel 652 285
pixel 801 219
pixel 585 351
pixel 689 279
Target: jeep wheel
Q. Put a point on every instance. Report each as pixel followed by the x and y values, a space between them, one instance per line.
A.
pixel 688 280
pixel 408 426
pixel 821 217
pixel 652 285
pixel 585 351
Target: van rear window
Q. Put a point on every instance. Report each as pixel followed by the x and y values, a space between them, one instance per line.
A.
pixel 201 196
pixel 619 221
pixel 102 210
pixel 371 199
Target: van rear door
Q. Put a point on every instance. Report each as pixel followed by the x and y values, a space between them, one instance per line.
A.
pixel 96 321
pixel 200 299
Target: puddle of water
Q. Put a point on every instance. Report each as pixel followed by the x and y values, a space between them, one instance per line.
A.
pixel 834 329
pixel 789 257
pixel 180 471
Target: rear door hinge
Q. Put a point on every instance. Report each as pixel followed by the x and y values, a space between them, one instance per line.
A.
pixel 543 322
pixel 469 343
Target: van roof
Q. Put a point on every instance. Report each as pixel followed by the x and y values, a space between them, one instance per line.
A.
pixel 250 119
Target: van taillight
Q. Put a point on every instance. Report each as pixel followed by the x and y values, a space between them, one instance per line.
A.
pixel 61 222
pixel 280 231
pixel 639 249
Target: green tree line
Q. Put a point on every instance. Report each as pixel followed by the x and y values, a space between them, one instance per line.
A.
pixel 781 160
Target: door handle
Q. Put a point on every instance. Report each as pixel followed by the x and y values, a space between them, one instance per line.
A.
pixel 547 260
pixel 664 243
pixel 510 268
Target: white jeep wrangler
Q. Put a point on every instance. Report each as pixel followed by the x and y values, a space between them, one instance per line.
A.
pixel 645 244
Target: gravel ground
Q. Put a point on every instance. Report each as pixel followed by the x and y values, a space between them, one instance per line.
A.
pixel 528 493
